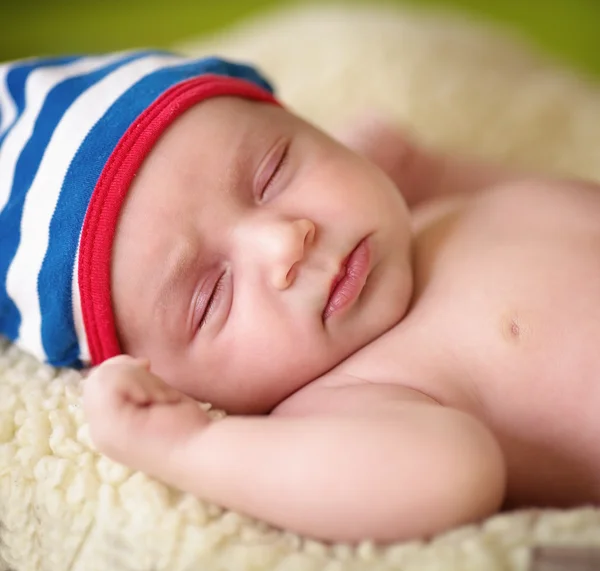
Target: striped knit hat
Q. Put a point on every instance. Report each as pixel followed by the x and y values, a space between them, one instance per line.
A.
pixel 73 133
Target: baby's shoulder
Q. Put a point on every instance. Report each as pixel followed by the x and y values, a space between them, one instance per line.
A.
pixel 510 204
pixel 531 191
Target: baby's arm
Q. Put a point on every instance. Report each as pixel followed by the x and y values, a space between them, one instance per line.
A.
pixel 421 173
pixel 394 470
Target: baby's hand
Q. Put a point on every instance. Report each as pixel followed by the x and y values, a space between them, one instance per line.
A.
pixel 136 418
pixel 411 167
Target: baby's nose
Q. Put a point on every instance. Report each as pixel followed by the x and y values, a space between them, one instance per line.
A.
pixel 291 240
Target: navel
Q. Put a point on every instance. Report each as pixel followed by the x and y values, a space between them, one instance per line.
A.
pixel 511 328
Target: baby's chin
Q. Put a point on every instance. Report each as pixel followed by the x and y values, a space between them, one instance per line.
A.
pixel 381 321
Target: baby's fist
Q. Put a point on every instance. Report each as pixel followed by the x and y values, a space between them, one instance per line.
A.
pixel 134 416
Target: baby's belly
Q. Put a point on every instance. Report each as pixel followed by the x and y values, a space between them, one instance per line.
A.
pixel 538 387
pixel 518 308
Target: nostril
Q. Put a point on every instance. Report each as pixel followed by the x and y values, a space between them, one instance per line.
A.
pixel 310 236
pixel 291 275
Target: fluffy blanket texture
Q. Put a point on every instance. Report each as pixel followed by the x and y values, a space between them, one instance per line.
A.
pixel 458 85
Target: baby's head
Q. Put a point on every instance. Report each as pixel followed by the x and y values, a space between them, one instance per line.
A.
pixel 171 209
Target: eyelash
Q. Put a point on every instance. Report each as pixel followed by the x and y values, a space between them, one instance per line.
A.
pixel 276 171
pixel 214 296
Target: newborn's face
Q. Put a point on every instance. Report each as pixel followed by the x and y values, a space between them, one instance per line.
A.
pixel 254 254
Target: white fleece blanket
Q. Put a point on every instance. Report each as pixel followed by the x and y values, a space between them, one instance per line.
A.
pixel 64 507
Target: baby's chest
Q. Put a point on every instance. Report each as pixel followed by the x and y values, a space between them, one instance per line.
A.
pixel 527 281
pixel 515 294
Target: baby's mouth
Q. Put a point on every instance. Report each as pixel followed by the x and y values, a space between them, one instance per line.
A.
pixel 350 279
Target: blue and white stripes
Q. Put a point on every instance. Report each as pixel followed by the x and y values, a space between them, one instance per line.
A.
pixel 60 121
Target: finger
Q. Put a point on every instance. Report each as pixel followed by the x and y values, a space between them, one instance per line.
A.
pixel 127 362
pixel 122 359
pixel 169 395
pixel 155 387
pixel 137 393
pixel 143 362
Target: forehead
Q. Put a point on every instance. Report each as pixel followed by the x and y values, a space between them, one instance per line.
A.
pixel 220 120
pixel 210 139
pixel 202 149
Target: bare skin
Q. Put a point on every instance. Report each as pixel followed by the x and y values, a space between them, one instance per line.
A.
pixel 461 376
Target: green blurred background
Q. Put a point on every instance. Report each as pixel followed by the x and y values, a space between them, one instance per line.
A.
pixel 567 29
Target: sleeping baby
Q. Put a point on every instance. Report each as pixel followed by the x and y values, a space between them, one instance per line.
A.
pixel 405 340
